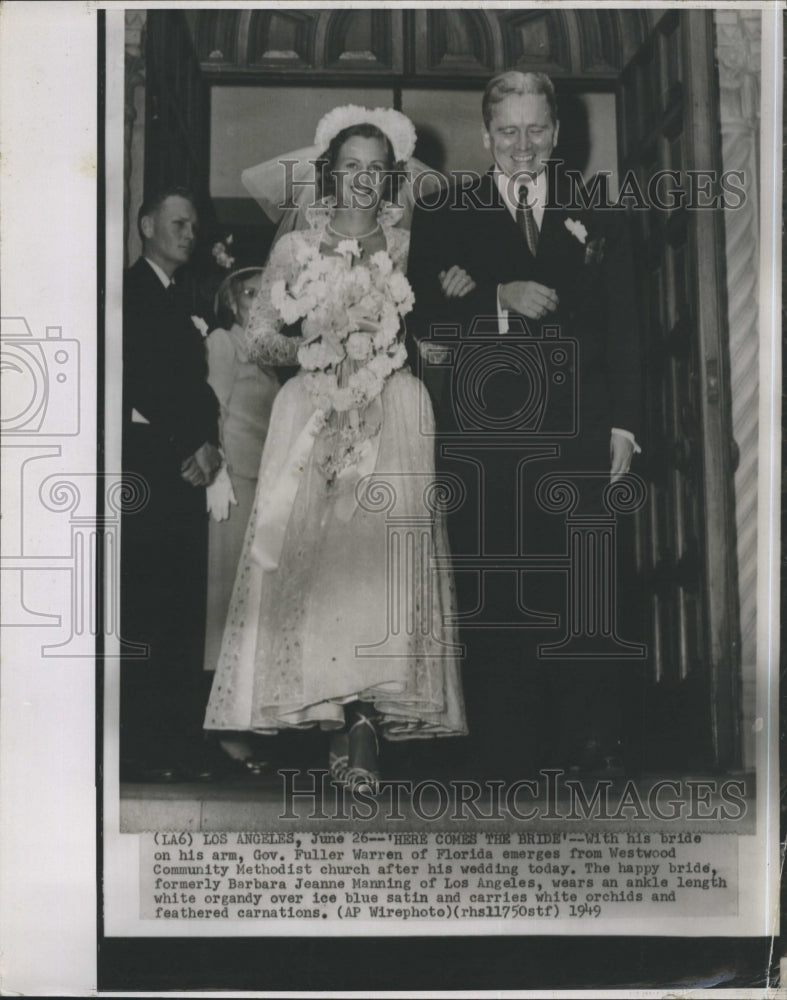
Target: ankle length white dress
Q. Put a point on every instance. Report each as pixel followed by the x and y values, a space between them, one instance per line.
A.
pixel 344 590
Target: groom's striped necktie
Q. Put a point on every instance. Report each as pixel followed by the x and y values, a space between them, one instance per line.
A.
pixel 526 220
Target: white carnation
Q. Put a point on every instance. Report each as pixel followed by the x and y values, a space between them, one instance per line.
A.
pixel 323 264
pixel 278 292
pixel 382 262
pixel 288 308
pixel 317 355
pixel 343 400
pixel 385 337
pixel 389 327
pixel 380 366
pixel 406 305
pixel 304 253
pixel 365 386
pixel 361 280
pixel 399 355
pixel 348 248
pixel 399 287
pixel 310 330
pixel 358 346
pixel 366 306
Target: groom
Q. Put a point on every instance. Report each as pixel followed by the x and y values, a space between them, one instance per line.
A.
pixel 546 270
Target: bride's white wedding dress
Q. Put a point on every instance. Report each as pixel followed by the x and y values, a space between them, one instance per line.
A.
pixel 343 590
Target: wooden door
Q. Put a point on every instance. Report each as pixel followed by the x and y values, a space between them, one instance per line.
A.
pixel 177 125
pixel 685 535
pixel 177 137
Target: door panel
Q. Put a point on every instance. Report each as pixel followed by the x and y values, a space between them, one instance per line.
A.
pixel 667 120
pixel 177 127
pixel 177 134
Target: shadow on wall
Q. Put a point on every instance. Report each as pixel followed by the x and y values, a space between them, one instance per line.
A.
pixel 430 148
pixel 574 136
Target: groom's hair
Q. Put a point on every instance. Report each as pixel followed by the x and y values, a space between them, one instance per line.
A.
pixel 515 82
pixel 154 201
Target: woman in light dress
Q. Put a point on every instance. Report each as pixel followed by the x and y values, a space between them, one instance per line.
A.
pixel 245 391
pixel 340 615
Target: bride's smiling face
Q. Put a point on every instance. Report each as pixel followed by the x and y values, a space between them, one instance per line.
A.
pixel 360 171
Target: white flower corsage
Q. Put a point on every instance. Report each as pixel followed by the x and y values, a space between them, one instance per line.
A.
pixel 575 227
pixel 221 253
pixel 348 248
pixel 201 325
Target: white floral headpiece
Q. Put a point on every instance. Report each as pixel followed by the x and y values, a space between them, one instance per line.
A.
pixel 396 126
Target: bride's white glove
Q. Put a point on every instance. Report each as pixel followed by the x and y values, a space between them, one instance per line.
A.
pixel 220 495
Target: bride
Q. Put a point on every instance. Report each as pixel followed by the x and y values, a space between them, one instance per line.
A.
pixel 322 629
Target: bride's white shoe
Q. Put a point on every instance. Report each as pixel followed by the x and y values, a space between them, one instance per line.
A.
pixel 339 757
pixel 362 779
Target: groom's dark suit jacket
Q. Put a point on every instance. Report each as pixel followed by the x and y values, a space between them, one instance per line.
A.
pixel 522 711
pixel 594 282
pixel 163 543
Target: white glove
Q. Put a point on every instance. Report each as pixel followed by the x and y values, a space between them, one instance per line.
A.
pixel 220 495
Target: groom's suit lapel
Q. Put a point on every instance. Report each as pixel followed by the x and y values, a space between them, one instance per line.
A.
pixel 168 309
pixel 150 282
pixel 559 254
pixel 509 244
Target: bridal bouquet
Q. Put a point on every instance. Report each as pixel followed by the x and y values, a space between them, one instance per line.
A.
pixel 351 314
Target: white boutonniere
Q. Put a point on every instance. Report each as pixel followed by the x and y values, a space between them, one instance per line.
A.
pixel 200 324
pixel 575 227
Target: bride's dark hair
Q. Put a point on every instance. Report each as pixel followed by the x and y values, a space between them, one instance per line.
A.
pixel 326 164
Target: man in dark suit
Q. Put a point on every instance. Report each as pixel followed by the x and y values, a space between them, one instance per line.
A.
pixel 170 441
pixel 514 403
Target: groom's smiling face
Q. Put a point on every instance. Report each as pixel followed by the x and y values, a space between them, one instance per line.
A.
pixel 521 134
